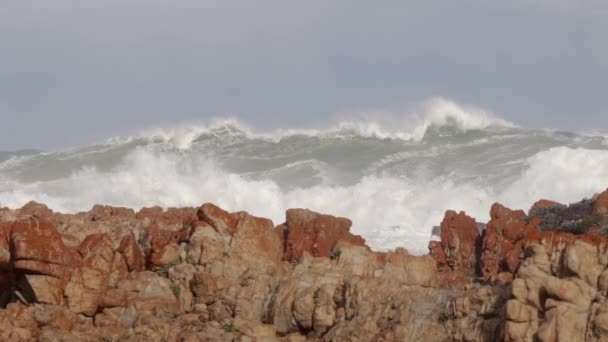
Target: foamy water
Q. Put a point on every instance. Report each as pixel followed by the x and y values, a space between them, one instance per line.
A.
pixel 393 177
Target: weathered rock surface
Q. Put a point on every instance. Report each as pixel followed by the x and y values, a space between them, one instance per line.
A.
pixel 209 275
pixel 503 242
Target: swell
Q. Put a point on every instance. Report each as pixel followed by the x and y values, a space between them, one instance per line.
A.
pixel 410 125
pixel 395 180
pixel 388 210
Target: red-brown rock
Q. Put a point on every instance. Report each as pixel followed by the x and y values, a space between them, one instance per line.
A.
pixel 97 252
pixel 105 212
pixel 38 247
pixel 159 238
pixel 437 253
pixel 600 204
pixel 35 209
pixel 459 238
pixel 307 231
pixel 504 239
pixel 164 245
pixel 133 255
pixel 165 257
pixel 172 216
pixel 85 289
pixel 150 213
pixel 222 221
pixel 257 239
pixel 119 270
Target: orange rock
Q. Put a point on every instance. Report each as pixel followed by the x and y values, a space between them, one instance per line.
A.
pixel 35 209
pixel 437 253
pixel 170 217
pixel 222 221
pixel 307 231
pixel 85 289
pixel 97 251
pixel 503 240
pixel 105 212
pixel 459 238
pixel 132 253
pixel 70 241
pixel 149 213
pixel 46 289
pixel 164 245
pixel 176 216
pixel 57 317
pixel 38 247
pixel 160 239
pixel 600 204
pixel 119 270
pixel 256 240
pixel 165 257
pixel 43 267
pixel 113 298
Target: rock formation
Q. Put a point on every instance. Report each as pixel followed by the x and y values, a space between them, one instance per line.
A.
pixel 205 274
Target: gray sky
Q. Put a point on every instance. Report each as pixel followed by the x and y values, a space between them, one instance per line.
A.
pixel 78 71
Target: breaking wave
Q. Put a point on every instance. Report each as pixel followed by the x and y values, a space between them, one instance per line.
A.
pixel 414 125
pixel 394 181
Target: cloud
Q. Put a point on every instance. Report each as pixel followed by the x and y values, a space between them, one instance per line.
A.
pixel 72 71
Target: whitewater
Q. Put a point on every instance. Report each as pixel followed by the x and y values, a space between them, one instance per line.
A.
pixel 394 177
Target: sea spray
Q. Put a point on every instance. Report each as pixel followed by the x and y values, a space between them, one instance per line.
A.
pixel 394 180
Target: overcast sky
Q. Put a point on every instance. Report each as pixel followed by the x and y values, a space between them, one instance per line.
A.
pixel 77 71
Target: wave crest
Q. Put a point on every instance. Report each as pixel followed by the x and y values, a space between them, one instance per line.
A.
pixel 409 126
pixel 388 211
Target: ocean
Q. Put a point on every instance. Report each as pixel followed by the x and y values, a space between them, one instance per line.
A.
pixel 394 178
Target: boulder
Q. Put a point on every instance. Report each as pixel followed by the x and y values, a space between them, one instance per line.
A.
pixel 132 254
pixel 39 248
pixel 316 234
pixel 97 251
pixel 34 209
pixel 504 239
pixel 85 289
pixel 257 242
pixel 460 238
pixel 224 222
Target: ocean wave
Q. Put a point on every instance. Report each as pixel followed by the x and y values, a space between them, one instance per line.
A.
pixel 562 174
pixel 393 175
pixel 389 211
pixel 409 126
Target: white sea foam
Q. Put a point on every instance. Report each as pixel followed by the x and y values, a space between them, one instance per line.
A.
pixel 561 174
pixel 410 125
pixel 388 211
pixel 394 190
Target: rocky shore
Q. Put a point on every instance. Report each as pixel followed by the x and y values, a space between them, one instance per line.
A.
pixel 204 274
